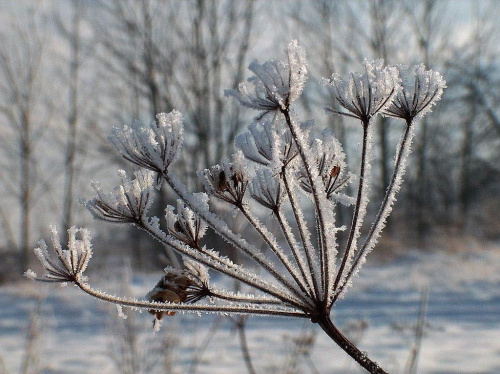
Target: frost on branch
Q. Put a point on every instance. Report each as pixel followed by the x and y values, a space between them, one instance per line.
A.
pixel 127 203
pixel 266 189
pixel 187 285
pixel 330 160
pixel 153 146
pixel 276 84
pixel 70 263
pixel 421 90
pixel 278 156
pixel 185 225
pixel 227 182
pixel 365 94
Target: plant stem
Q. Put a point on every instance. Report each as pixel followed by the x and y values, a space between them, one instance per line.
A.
pixel 360 357
pixel 324 254
pixel 206 308
pixel 304 234
pixel 385 207
pixel 354 231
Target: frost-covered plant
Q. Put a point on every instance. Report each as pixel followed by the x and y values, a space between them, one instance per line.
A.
pixel 279 167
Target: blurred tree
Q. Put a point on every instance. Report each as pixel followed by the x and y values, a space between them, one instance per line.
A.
pixel 24 114
pixel 157 56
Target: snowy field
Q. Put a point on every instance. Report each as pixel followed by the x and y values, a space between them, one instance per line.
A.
pixel 72 333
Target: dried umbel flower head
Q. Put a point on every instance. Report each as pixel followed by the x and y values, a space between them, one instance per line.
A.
pixel 276 84
pixel 227 182
pixel 331 166
pixel 266 189
pixel 185 225
pixel 365 94
pixel 153 146
pixel 188 285
pixel 420 90
pixel 70 263
pixel 127 203
pixel 302 275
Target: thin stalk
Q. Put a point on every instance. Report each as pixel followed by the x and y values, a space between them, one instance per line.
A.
pixel 300 280
pixel 412 363
pixel 295 249
pixel 324 257
pixel 225 232
pixel 207 308
pixel 360 357
pixel 385 207
pixel 244 298
pixel 354 231
pixel 240 325
pixel 304 237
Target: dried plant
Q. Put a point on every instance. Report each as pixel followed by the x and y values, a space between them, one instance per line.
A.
pixel 281 167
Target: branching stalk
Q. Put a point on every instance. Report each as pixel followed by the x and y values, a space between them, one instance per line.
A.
pixel 385 207
pixel 316 191
pixel 207 308
pixel 304 235
pixel 360 357
pixel 358 216
pixel 223 230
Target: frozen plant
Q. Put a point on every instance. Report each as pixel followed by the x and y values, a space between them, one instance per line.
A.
pixel 279 167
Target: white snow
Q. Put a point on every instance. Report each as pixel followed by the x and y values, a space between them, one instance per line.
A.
pixel 75 334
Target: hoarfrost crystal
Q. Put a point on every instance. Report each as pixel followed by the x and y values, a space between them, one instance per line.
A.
pixel 154 146
pixel 365 94
pixel 127 203
pixel 421 90
pixel 280 159
pixel 276 84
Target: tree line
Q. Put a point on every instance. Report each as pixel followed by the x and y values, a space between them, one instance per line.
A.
pixel 71 70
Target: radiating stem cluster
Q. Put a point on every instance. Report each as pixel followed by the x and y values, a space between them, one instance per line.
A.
pixel 282 169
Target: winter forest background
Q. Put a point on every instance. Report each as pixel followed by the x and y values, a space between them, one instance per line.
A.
pixel 71 70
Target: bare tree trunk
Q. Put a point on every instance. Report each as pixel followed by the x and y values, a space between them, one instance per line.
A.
pixel 25 198
pixel 69 162
pixel 422 206
pixel 379 11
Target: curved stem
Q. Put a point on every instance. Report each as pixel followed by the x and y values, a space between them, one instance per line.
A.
pixel 207 308
pixel 360 357
pixel 240 325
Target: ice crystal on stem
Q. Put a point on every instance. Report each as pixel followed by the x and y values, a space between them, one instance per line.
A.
pixel 70 263
pixel 421 90
pixel 154 146
pixel 365 94
pixel 279 160
pixel 127 203
pixel 276 84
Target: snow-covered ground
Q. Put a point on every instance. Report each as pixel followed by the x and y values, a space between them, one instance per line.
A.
pixel 75 334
